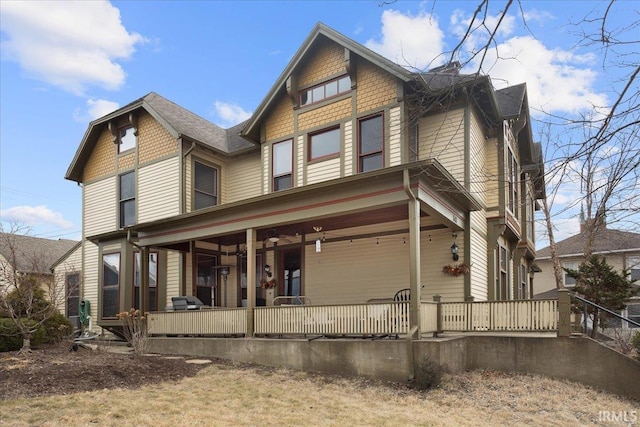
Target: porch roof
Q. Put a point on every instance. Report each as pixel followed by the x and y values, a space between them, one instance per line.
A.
pixel 381 194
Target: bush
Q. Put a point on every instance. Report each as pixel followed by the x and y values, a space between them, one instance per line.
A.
pixel 10 338
pixel 57 327
pixel 635 343
pixel 429 374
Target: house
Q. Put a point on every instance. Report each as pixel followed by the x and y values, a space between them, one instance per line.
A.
pixel 354 178
pixel 620 248
pixel 35 256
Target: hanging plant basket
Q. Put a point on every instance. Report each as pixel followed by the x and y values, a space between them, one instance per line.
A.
pixel 455 269
pixel 268 284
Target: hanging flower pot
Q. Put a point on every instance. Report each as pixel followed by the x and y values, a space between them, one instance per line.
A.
pixel 455 269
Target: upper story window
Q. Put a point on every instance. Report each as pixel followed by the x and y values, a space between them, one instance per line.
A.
pixel 325 90
pixel 205 186
pixel 126 139
pixel 110 285
pixel 370 143
pixel 571 265
pixel 324 144
pixel 127 199
pixel 512 179
pixel 282 161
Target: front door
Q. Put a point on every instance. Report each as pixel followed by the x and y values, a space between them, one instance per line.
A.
pixel 290 283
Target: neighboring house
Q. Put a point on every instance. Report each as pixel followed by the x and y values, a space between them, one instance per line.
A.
pixel 68 276
pixel 354 178
pixel 620 248
pixel 37 256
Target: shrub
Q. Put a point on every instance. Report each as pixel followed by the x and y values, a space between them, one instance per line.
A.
pixel 58 327
pixel 134 328
pixel 10 338
pixel 429 374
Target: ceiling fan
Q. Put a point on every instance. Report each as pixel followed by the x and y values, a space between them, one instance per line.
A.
pixel 274 237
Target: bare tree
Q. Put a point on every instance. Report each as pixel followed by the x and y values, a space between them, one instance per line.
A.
pixel 29 293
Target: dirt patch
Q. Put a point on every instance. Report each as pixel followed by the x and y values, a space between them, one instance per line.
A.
pixel 56 369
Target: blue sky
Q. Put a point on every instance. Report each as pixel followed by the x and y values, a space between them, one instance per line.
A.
pixel 64 64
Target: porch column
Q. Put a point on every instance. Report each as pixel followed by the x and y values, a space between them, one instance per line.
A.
pixel 251 279
pixel 414 264
pixel 144 280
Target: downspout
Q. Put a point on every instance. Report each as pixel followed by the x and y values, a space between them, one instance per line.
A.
pixel 414 272
pixel 467 186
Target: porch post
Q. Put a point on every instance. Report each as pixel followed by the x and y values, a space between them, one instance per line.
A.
pixel 564 313
pixel 414 265
pixel 144 280
pixel 251 279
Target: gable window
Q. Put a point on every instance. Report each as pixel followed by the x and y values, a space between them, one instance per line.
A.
pixel 127 199
pixel 324 144
pixel 152 296
pixel 72 291
pixel 568 280
pixel 282 165
pixel 126 139
pixel 110 285
pixel 205 186
pixel 370 143
pixel 325 90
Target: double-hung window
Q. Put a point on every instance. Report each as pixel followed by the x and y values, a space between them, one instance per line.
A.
pixel 72 284
pixel 571 265
pixel 324 144
pixel 110 285
pixel 512 178
pixel 282 165
pixel 633 266
pixel 127 199
pixel 126 139
pixel 205 186
pixel 370 143
pixel 152 296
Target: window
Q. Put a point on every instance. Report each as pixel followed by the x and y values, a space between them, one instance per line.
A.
pixel 503 274
pixel 260 293
pixel 126 139
pixel 512 171
pixel 72 285
pixel 206 284
pixel 205 186
pixel 110 285
pixel 282 165
pixel 127 199
pixel 324 144
pixel 632 312
pixel 325 90
pixel 522 290
pixel 414 132
pixel 633 265
pixel 153 280
pixel 530 217
pixel 572 265
pixel 370 144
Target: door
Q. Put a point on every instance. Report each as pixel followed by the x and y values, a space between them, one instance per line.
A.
pixel 290 283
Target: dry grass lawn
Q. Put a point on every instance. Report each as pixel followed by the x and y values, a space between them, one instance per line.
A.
pixel 229 395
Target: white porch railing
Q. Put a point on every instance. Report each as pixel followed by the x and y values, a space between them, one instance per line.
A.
pixel 232 321
pixel 524 316
pixel 352 319
pixel 428 317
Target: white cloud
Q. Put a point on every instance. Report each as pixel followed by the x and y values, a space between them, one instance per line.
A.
pixel 35 215
pixel 68 44
pixel 230 114
pixel 95 108
pixel 413 41
pixel 482 27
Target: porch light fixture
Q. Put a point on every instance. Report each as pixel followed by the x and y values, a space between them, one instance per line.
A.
pixel 274 239
pixel 267 270
pixel 454 248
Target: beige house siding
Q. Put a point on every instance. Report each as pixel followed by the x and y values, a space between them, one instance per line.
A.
pixel 323 171
pixel 243 179
pixel 100 207
pixel 395 137
pixel 300 161
pixel 158 190
pixel 90 274
pixel 102 160
pixel 71 264
pixel 376 88
pixel 349 145
pixel 479 257
pixel 280 122
pixel 173 276
pixel 154 141
pixel 478 175
pixel 435 255
pixel 327 61
pixel 442 137
pixel 266 169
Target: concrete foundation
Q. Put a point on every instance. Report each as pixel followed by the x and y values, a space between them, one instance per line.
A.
pixel 577 359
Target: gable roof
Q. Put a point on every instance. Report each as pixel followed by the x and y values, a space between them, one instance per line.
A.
pixel 511 100
pixel 178 121
pixel 320 30
pixel 33 254
pixel 605 241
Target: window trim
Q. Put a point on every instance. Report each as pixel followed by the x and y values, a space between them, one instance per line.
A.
pixel 135 136
pixel 324 85
pixel 68 295
pixel 513 192
pixel 571 265
pixel 193 183
pixel 290 172
pixel 121 201
pixel 118 286
pixel 333 155
pixel 359 147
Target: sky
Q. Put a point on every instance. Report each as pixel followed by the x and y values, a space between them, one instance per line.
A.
pixel 64 64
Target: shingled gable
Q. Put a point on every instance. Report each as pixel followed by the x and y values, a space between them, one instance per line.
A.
pixel 252 127
pixel 178 121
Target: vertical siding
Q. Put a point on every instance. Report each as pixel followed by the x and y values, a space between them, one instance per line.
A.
pixel 173 275
pixel 159 190
pixel 90 280
pixel 349 145
pixel 323 171
pixel 300 161
pixel 100 207
pixel 479 257
pixel 442 137
pixel 395 137
pixel 243 179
